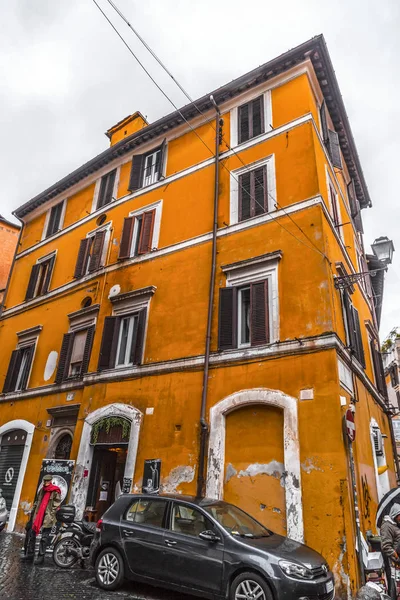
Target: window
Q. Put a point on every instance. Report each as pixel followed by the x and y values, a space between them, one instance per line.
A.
pixel 253 193
pixel 147 168
pixel 123 340
pixel 54 218
pixel 352 326
pixel 63 448
pixel 334 204
pixel 39 280
pixel 106 190
pixel 378 368
pixel 75 353
pixel 330 139
pixel 19 369
pixel 188 520
pixel 394 376
pixel 244 316
pixel 91 253
pixel 355 210
pixel 251 120
pixel 137 234
pixel 147 512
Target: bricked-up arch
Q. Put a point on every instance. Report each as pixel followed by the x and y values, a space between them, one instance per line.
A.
pixel 216 451
pixel 29 428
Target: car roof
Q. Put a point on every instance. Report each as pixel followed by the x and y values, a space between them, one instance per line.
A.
pixel 199 501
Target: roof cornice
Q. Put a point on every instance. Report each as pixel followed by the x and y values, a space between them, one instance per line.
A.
pixel 314 49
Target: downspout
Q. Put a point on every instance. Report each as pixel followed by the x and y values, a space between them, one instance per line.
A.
pixel 203 422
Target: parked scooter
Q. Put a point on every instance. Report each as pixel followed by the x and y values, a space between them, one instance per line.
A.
pixel 3 512
pixel 72 543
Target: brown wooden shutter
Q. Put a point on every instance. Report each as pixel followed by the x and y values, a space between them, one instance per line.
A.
pixel 126 238
pixel 138 339
pixel 12 371
pixel 87 350
pixel 97 251
pixel 355 207
pixel 260 190
pixel 227 318
pixel 81 261
pixel 30 291
pixel 348 315
pixel 160 162
pixel 106 189
pixel 334 149
pixel 244 196
pixel 54 220
pixel 108 343
pixel 244 123
pixel 65 355
pixel 324 123
pixel 136 178
pixel 146 234
pixel 257 109
pixel 28 363
pixel 49 273
pixel 378 369
pixel 359 344
pixel 259 321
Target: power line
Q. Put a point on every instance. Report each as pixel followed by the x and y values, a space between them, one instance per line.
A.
pixel 313 247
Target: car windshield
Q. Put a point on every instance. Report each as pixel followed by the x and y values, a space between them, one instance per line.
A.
pixel 235 521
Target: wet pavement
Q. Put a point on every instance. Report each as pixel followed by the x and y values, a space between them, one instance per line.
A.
pixel 23 581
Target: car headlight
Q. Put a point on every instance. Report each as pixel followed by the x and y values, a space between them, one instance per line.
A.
pixel 295 570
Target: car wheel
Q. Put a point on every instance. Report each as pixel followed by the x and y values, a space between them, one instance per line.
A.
pixel 109 569
pixel 249 586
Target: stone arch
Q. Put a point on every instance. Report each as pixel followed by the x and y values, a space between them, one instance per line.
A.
pixel 85 454
pixel 56 438
pixel 29 428
pixel 216 452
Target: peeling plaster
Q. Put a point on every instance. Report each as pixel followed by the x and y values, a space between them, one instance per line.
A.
pixel 26 507
pixel 309 466
pixel 178 475
pixel 230 472
pixel 342 580
pixel 273 469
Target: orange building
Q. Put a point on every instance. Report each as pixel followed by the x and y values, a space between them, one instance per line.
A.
pixel 114 351
pixel 8 242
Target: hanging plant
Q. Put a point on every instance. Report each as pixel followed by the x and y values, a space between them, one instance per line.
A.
pixel 107 423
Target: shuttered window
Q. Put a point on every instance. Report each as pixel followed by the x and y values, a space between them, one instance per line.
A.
pixel 54 219
pixel 90 254
pixel 251 120
pixel 355 210
pixel 331 139
pixel 106 189
pixel 353 329
pixel 334 206
pixel 253 193
pixel 147 168
pixel 378 368
pixel 123 340
pixel 137 235
pixel 75 354
pixel 19 369
pixel 243 316
pixel 39 280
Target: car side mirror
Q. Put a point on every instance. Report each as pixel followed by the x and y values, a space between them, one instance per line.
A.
pixel 209 536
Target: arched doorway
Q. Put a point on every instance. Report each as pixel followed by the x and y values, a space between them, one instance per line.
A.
pixel 15 445
pixel 291 450
pixel 63 448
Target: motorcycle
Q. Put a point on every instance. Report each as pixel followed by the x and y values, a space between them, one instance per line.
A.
pixel 73 540
pixel 3 512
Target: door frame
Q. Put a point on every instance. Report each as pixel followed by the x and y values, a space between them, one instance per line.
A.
pixel 216 449
pixel 29 428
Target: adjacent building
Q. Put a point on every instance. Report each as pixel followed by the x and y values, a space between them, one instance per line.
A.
pixel 9 233
pixel 186 298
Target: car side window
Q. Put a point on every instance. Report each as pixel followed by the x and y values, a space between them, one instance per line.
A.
pixel 147 512
pixel 188 520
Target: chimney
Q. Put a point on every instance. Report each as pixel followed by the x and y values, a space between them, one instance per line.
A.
pixel 126 127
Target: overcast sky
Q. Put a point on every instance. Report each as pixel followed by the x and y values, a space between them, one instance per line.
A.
pixel 65 78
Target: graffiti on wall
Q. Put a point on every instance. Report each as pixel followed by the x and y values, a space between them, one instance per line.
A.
pixel 366 497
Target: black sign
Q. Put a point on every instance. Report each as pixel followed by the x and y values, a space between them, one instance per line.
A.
pixel 151 476
pixel 61 471
pixel 127 485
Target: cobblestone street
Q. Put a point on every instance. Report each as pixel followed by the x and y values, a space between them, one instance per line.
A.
pixel 22 581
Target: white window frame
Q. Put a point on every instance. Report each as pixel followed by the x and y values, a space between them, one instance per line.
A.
pixel 382 481
pixel 26 338
pixel 149 180
pixel 234 115
pixel 133 321
pixel 41 260
pixel 259 269
pixel 157 206
pixel 329 184
pixel 106 244
pixel 269 162
pixel 47 219
pixel 102 209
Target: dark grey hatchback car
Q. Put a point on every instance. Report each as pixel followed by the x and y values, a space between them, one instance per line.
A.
pixel 203 547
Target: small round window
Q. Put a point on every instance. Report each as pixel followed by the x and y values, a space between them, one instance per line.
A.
pixel 86 302
pixel 101 219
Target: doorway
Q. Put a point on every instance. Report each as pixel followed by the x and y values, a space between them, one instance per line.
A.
pixel 106 478
pixel 11 452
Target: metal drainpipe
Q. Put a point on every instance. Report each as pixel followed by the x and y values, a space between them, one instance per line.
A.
pixel 203 421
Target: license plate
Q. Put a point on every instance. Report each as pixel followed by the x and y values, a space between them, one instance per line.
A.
pixel 329 586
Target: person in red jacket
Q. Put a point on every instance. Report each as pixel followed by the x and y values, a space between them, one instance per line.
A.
pixel 43 518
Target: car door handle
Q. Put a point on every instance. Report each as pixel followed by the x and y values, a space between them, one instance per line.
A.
pixel 170 542
pixel 128 533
